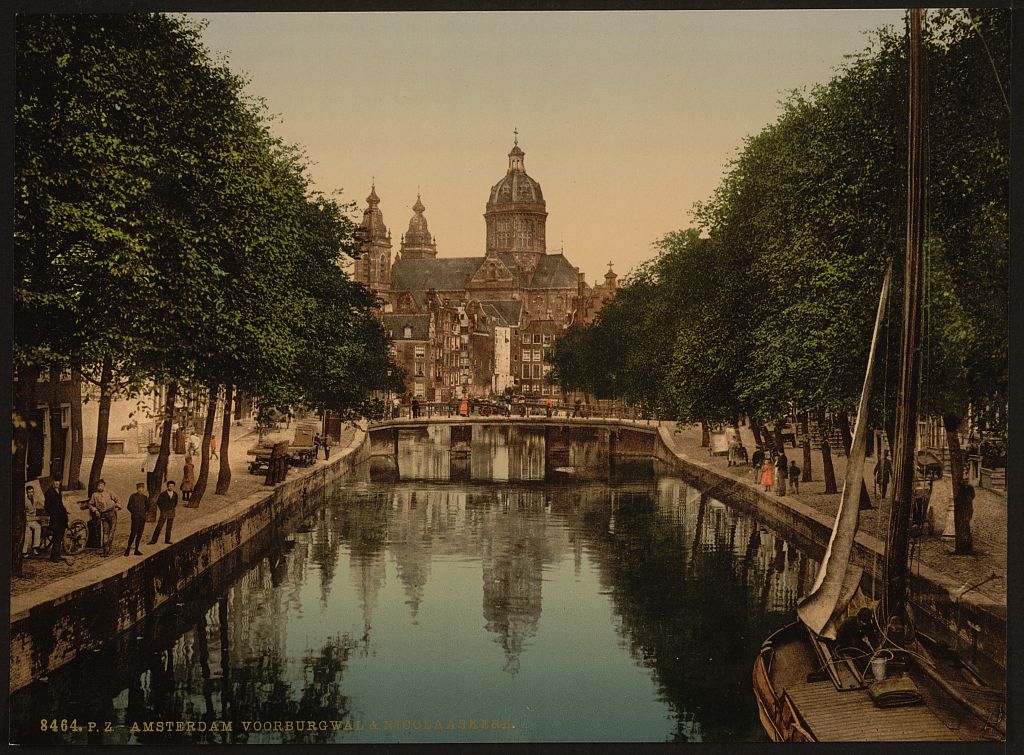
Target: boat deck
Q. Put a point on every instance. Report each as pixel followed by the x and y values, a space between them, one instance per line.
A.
pixel 851 715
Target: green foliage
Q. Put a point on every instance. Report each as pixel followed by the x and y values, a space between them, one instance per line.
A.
pixel 159 221
pixel 773 301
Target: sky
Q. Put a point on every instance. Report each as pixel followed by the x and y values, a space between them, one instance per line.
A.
pixel 627 118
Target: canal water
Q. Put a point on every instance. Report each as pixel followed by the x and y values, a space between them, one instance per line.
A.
pixel 472 598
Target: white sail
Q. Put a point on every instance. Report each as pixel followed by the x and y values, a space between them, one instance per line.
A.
pixel 837 578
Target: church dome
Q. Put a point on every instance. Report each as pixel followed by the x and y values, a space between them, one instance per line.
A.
pixel 516 186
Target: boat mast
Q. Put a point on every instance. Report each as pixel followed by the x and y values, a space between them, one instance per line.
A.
pixel 895 588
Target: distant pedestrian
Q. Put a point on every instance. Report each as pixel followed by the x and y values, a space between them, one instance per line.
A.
pixel 188 479
pixel 137 504
pixel 33 530
pixel 794 477
pixel 415 408
pixel 464 407
pixel 213 446
pixel 767 476
pixel 149 467
pixel 167 503
pixel 883 472
pixel 104 505
pixel 548 407
pixel 54 507
pixel 576 408
pixel 325 441
pixel 781 473
pixel 756 460
pixel 192 447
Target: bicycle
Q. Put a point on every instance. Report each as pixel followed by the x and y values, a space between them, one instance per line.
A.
pixel 75 537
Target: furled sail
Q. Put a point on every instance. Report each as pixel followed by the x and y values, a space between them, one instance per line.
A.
pixel 838 579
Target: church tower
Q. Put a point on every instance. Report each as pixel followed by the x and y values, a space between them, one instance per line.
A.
pixel 417 243
pixel 516 215
pixel 373 268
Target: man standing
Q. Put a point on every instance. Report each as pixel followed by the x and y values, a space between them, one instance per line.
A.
pixel 104 505
pixel 883 471
pixel 137 503
pixel 33 530
pixel 167 503
pixel 54 507
pixel 325 441
pixel 213 446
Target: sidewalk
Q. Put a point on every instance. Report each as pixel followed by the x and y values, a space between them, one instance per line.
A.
pixel 122 473
pixel 988 527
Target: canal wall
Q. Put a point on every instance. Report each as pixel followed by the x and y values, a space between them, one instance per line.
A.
pixel 51 626
pixel 975 623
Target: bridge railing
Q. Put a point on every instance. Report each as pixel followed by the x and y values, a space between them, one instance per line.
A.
pixel 431 409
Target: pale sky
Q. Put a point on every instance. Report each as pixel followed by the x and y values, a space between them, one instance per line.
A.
pixel 626 118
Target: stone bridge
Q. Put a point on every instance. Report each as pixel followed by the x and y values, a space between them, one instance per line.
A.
pixel 592 443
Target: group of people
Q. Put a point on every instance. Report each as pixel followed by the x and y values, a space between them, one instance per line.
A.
pixel 324 442
pixel 104 505
pixel 775 470
pixel 57 516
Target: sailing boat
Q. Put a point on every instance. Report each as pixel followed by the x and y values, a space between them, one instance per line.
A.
pixel 852 669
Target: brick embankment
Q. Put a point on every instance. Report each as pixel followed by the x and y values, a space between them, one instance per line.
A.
pixel 974 618
pixel 75 612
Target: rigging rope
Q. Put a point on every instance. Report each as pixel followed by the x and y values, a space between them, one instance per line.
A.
pixel 991 60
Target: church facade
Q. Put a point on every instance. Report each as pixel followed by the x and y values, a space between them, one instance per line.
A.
pixel 477 325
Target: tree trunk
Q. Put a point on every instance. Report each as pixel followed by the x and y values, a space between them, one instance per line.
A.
pixel 963 503
pixel 779 443
pixel 102 424
pixel 705 434
pixel 826 456
pixel 224 475
pixel 160 472
pixel 806 443
pixel 58 444
pixel 24 400
pixel 75 470
pixel 204 467
pixel 755 428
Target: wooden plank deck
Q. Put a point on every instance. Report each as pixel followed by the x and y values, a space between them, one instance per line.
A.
pixel 832 715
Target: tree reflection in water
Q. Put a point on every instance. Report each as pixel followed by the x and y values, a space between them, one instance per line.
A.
pixel 692 585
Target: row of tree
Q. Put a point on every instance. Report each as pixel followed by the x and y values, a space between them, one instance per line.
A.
pixel 164 236
pixel 768 303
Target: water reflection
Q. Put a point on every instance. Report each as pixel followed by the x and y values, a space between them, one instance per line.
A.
pixel 587 612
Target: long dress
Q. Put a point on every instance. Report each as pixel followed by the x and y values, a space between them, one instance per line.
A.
pixel 767 474
pixel 188 477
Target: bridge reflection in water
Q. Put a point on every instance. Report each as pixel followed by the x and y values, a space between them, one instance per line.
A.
pixel 600 610
pixel 505 451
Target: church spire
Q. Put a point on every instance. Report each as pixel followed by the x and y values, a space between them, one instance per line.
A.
pixel 516 156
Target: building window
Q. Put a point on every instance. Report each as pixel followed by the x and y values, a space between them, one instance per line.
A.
pixel 421 352
pixel 526 337
pixel 65 415
pixel 418 390
pixel 419 369
pixel 526 372
pixel 44 376
pixel 547 338
pixel 65 375
pixel 536 370
pixel 407 332
pixel 536 337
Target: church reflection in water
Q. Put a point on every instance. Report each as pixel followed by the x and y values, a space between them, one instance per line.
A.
pixel 641 587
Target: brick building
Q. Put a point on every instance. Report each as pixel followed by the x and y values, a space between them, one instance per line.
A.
pixel 516 290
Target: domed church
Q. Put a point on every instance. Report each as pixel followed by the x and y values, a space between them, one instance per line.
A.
pixel 516 295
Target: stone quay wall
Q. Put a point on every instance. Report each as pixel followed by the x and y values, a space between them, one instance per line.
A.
pixel 51 626
pixel 973 622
